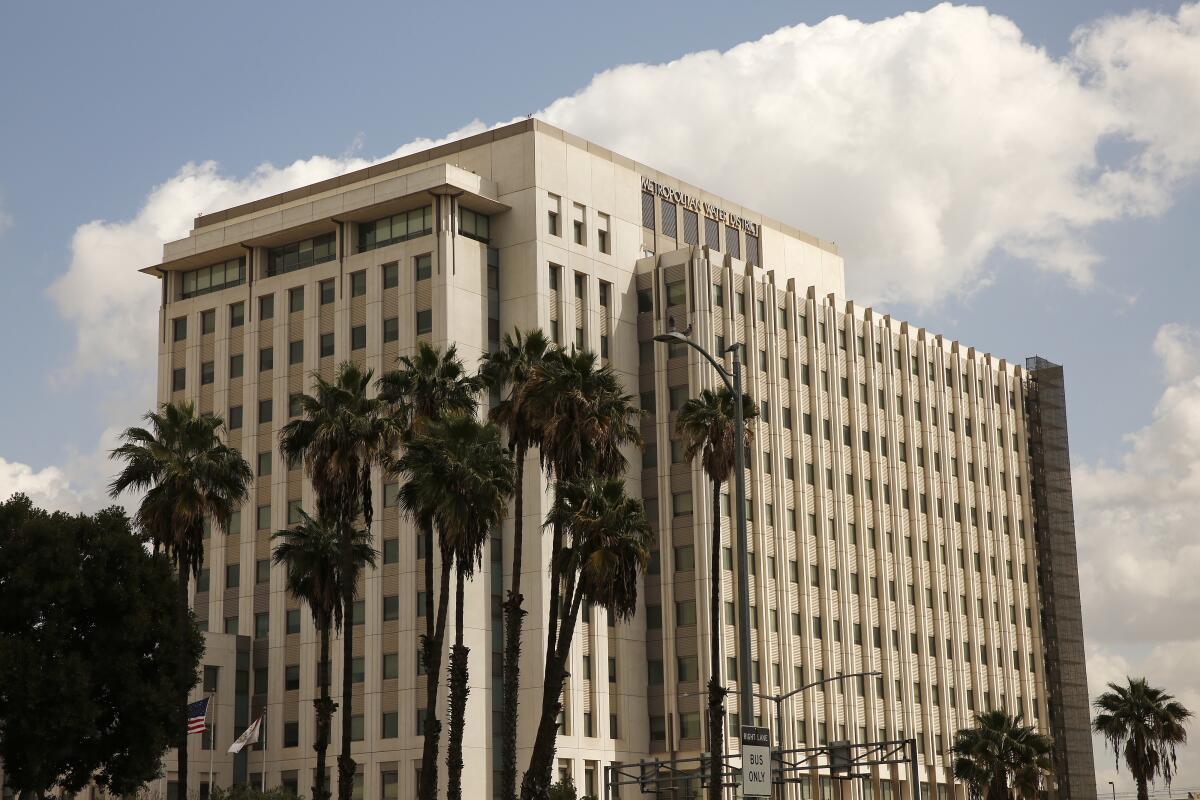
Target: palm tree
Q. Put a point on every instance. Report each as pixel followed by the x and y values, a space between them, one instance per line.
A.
pixel 312 552
pixel 424 389
pixel 475 478
pixel 705 424
pixel 999 753
pixel 585 420
pixel 1146 723
pixel 512 366
pixel 340 434
pixel 188 475
pixel 605 549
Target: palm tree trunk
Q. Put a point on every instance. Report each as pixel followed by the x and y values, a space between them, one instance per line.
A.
pixel 541 762
pixel 716 692
pixel 513 616
pixel 433 666
pixel 181 750
pixel 345 760
pixel 1143 792
pixel 998 788
pixel 458 696
pixel 324 707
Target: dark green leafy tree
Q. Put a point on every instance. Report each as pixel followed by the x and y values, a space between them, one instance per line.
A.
pixel 1144 724
pixel 189 477
pixel 312 552
pixel 424 389
pixel 341 433
pixel 562 789
pixel 93 652
pixel 1000 758
pixel 509 371
pixel 605 550
pixel 705 424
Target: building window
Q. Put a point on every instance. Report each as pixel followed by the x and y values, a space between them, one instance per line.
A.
pixel 555 203
pixel 291 734
pixel 358 337
pixel 295 405
pixel 391 607
pixel 579 225
pixel 712 233
pixel 676 293
pixel 292 620
pixel 326 345
pixel 264 464
pixel 213 278
pixel 390 729
pixel 358 283
pixel 396 228
pixel 424 322
pixel 732 242
pixel 291 677
pixel 391 275
pixel 602 234
pixel 473 225
pixel 235 417
pixel 391 666
pixel 207 373
pixel 231 626
pixel 265 411
pixel 262 570
pixel 296 352
pixel 752 254
pixel 670 219
pixel 266 307
pixel 295 299
pixel 294 512
pixel 236 365
pixel 423 266
pixel 233 576
pixel 237 315
pixel 266 359
pixel 681 503
pixel 179 329
pixel 647 210
pixel 301 254
pixel 391 550
pixel 263 518
pixel 326 288
pixel 262 625
pixel 178 379
pixel 691 227
pixel 391 329
pixel 208 321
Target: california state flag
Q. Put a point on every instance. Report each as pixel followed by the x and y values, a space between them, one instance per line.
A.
pixel 249 736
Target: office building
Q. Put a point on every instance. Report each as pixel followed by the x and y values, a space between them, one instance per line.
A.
pixel 897 522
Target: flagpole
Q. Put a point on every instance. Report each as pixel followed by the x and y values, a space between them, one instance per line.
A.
pixel 264 749
pixel 212 743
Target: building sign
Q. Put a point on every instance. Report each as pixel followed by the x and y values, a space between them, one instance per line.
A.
pixel 756 762
pixel 695 204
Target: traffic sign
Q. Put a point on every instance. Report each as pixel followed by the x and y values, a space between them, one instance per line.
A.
pixel 756 762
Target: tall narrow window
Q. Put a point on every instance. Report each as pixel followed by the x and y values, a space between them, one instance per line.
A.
pixel 647 210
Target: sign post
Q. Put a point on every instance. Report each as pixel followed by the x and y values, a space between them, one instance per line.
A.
pixel 756 762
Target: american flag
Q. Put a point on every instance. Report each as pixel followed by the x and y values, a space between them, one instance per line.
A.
pixel 197 715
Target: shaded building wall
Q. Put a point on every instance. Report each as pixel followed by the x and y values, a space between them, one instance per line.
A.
pixel 1058 577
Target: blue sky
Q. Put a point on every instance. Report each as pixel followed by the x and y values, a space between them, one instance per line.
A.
pixel 106 103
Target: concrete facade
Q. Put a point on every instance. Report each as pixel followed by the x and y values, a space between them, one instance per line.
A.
pixel 892 520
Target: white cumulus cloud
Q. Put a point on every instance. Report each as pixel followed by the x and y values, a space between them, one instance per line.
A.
pixel 1139 553
pixel 923 143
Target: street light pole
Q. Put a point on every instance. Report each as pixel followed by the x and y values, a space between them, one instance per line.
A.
pixel 734 384
pixel 745 679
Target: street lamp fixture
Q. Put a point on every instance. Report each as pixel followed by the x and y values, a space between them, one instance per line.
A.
pixel 733 382
pixel 778 699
